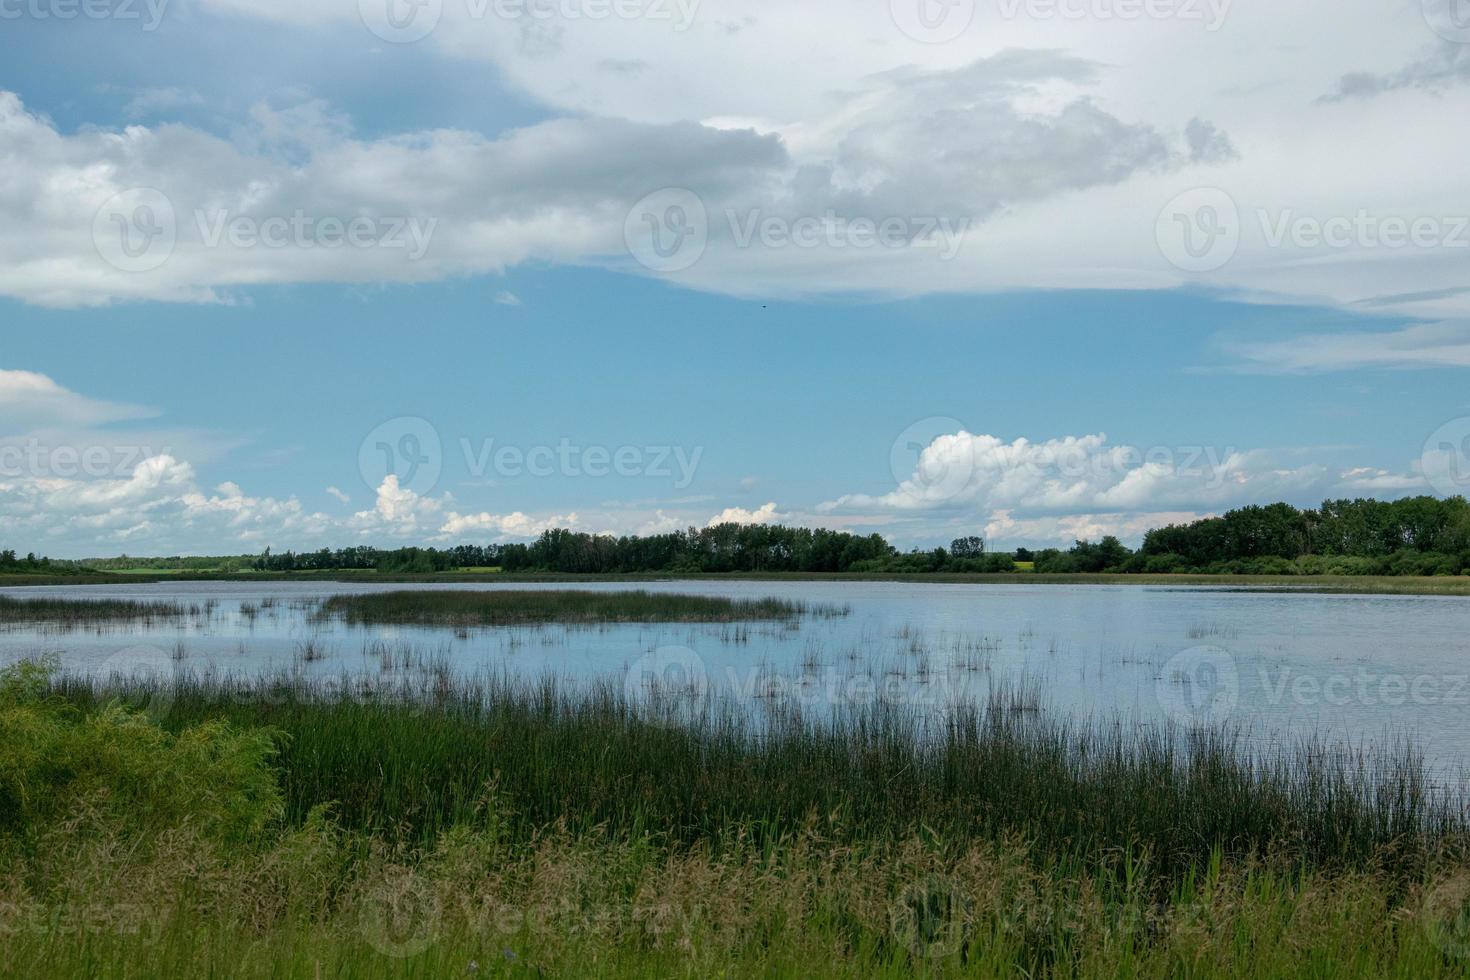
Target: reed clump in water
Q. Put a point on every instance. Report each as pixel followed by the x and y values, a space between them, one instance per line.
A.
pixel 588 757
pixel 459 609
pixel 55 612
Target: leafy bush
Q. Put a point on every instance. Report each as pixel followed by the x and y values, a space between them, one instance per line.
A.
pixel 114 763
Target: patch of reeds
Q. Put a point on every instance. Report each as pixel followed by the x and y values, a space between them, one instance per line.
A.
pixel 418 762
pixel 461 609
pixel 82 613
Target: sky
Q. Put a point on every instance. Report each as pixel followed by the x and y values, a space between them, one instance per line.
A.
pixel 302 274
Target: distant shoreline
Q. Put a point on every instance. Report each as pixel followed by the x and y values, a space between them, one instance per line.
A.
pixel 1354 585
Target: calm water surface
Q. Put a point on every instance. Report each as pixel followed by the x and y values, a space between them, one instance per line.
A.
pixel 1356 668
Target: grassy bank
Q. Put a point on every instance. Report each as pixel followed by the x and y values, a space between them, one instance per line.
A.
pixel 282 829
pixel 532 607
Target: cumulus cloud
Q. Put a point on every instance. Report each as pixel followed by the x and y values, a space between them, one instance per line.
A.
pixel 1078 487
pixel 764 514
pixel 1004 527
pixel 171 212
pixel 1056 139
pixel 1077 473
pixel 159 503
pixel 401 513
pixel 428 205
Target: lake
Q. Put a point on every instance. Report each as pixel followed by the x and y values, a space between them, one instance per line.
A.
pixel 1358 668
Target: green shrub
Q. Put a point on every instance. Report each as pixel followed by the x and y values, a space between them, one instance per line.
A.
pixel 56 762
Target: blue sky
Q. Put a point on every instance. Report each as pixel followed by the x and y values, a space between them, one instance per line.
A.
pixel 1031 357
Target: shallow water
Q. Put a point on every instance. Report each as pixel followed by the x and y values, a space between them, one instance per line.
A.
pixel 1362 669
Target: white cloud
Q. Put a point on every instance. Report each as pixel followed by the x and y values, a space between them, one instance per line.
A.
pixel 435 204
pixel 764 514
pixel 1370 480
pixel 1426 345
pixel 1019 491
pixel 159 504
pixel 660 523
pixel 29 400
pixel 1078 473
pixel 1006 530
pixel 1078 487
pixel 1066 133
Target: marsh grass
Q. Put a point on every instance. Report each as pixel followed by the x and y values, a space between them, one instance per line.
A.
pixel 83 613
pixel 530 607
pixel 415 760
pixel 285 827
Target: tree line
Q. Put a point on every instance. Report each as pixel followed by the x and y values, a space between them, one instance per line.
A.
pixel 1412 536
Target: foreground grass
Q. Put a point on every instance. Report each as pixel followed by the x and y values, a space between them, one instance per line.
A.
pixel 424 829
pixel 531 607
